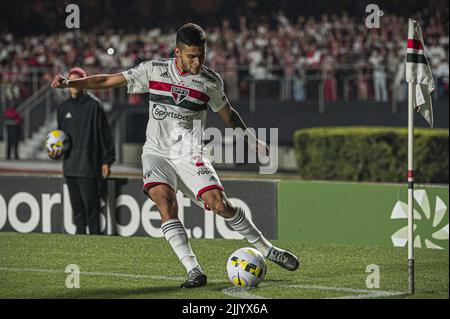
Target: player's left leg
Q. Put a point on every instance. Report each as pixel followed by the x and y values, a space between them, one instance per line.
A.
pixel 160 185
pixel 217 201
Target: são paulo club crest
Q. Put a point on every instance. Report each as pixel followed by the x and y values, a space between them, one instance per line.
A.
pixel 179 94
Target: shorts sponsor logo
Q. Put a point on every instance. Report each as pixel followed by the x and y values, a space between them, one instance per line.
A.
pixel 204 170
pixel 159 112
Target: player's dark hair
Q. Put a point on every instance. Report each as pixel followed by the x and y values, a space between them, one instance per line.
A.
pixel 191 34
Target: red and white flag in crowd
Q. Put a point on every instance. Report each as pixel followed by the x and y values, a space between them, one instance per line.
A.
pixel 418 71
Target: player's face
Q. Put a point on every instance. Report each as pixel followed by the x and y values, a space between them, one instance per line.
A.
pixel 74 91
pixel 191 57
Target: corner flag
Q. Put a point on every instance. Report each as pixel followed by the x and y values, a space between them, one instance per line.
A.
pixel 420 86
pixel 418 72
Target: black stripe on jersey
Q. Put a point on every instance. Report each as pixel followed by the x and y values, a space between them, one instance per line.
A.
pixel 184 104
pixel 416 58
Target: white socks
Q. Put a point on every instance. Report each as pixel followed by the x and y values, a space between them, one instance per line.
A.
pixel 176 235
pixel 240 223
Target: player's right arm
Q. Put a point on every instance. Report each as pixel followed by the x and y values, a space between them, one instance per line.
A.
pixel 99 81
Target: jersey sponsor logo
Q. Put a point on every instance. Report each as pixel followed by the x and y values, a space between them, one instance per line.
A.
pixel 164 74
pixel 209 77
pixel 159 64
pixel 197 83
pixel 147 174
pixel 159 112
pixel 179 94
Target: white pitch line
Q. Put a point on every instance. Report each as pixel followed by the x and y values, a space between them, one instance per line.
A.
pixel 239 292
pixel 364 293
pixel 243 293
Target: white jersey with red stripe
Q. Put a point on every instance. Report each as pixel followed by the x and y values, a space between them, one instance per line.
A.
pixel 177 105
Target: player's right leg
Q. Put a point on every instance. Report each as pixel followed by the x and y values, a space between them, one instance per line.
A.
pixel 236 218
pixel 160 186
pixel 199 181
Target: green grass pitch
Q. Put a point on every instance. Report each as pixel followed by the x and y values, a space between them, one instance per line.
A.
pixel 33 266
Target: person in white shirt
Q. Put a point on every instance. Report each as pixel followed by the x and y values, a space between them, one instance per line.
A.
pixel 379 76
pixel 180 92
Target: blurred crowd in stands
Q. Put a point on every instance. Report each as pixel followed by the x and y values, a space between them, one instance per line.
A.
pixel 335 56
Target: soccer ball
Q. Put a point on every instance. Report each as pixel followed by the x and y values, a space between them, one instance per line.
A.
pixel 246 267
pixel 57 140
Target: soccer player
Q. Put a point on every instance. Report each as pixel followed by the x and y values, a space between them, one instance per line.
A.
pixel 180 90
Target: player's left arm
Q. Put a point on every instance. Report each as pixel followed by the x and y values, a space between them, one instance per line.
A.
pixel 232 118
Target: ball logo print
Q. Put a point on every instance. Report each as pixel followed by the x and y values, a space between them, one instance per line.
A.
pixel 429 228
pixel 246 267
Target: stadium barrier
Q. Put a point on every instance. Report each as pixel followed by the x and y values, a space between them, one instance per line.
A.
pixel 42 204
pixel 361 213
pixel 307 211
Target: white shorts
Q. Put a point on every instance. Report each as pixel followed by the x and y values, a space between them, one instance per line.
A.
pixel 191 175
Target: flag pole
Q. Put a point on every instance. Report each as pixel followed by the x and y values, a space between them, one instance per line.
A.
pixel 411 102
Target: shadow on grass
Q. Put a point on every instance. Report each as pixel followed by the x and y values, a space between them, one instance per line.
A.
pixel 115 293
pixel 266 283
pixel 144 292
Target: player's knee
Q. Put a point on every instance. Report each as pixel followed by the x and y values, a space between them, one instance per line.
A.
pixel 217 206
pixel 221 207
